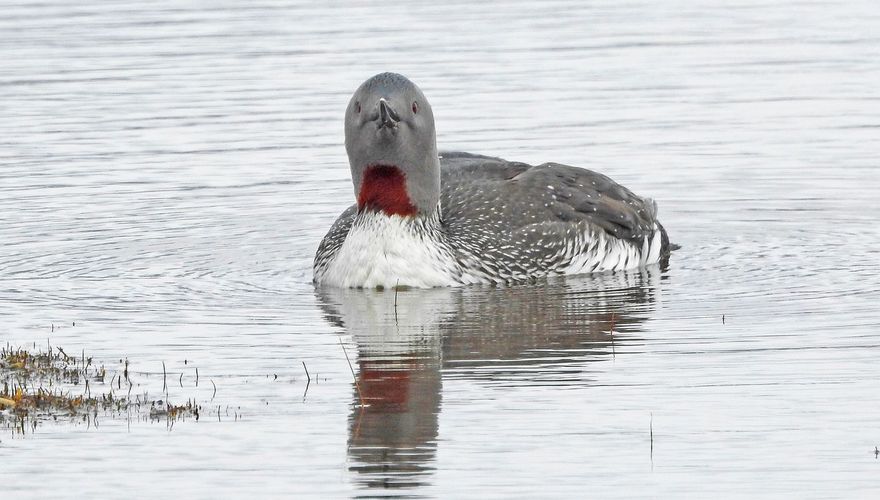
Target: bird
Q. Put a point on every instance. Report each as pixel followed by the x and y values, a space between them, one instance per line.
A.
pixel 424 218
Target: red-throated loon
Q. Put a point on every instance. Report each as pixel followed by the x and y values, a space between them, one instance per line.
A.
pixel 424 219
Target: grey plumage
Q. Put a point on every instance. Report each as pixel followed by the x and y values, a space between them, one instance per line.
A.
pixel 508 221
pixel 520 218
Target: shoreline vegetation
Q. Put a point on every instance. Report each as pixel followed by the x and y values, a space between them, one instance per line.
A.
pixel 44 384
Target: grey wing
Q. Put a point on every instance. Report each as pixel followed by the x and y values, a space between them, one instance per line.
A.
pixel 581 194
pixel 518 218
pixel 456 166
pixel 334 239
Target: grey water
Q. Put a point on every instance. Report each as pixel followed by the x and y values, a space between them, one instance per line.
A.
pixel 167 170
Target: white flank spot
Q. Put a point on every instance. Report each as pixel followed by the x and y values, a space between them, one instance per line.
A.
pixel 598 252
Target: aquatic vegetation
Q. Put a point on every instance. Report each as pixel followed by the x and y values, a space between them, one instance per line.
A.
pixel 38 385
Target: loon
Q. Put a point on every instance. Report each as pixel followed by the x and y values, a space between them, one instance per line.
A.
pixel 426 219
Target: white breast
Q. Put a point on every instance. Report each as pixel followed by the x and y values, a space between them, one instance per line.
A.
pixel 386 251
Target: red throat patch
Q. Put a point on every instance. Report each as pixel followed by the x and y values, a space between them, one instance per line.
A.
pixel 384 188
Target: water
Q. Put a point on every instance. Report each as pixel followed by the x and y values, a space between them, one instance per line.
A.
pixel 168 170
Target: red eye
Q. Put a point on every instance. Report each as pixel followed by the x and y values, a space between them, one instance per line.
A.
pixel 357 107
pixel 415 107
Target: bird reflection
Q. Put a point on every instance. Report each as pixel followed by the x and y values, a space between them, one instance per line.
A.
pixel 409 340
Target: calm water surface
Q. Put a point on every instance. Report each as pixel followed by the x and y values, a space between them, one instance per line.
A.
pixel 167 170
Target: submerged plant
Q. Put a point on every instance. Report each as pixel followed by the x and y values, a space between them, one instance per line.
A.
pixel 41 385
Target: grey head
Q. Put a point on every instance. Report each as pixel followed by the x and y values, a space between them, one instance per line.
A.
pixel 392 147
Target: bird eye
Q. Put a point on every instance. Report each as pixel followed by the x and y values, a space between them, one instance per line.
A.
pixel 357 107
pixel 415 107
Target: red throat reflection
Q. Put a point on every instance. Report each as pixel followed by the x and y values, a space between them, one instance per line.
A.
pixel 385 388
